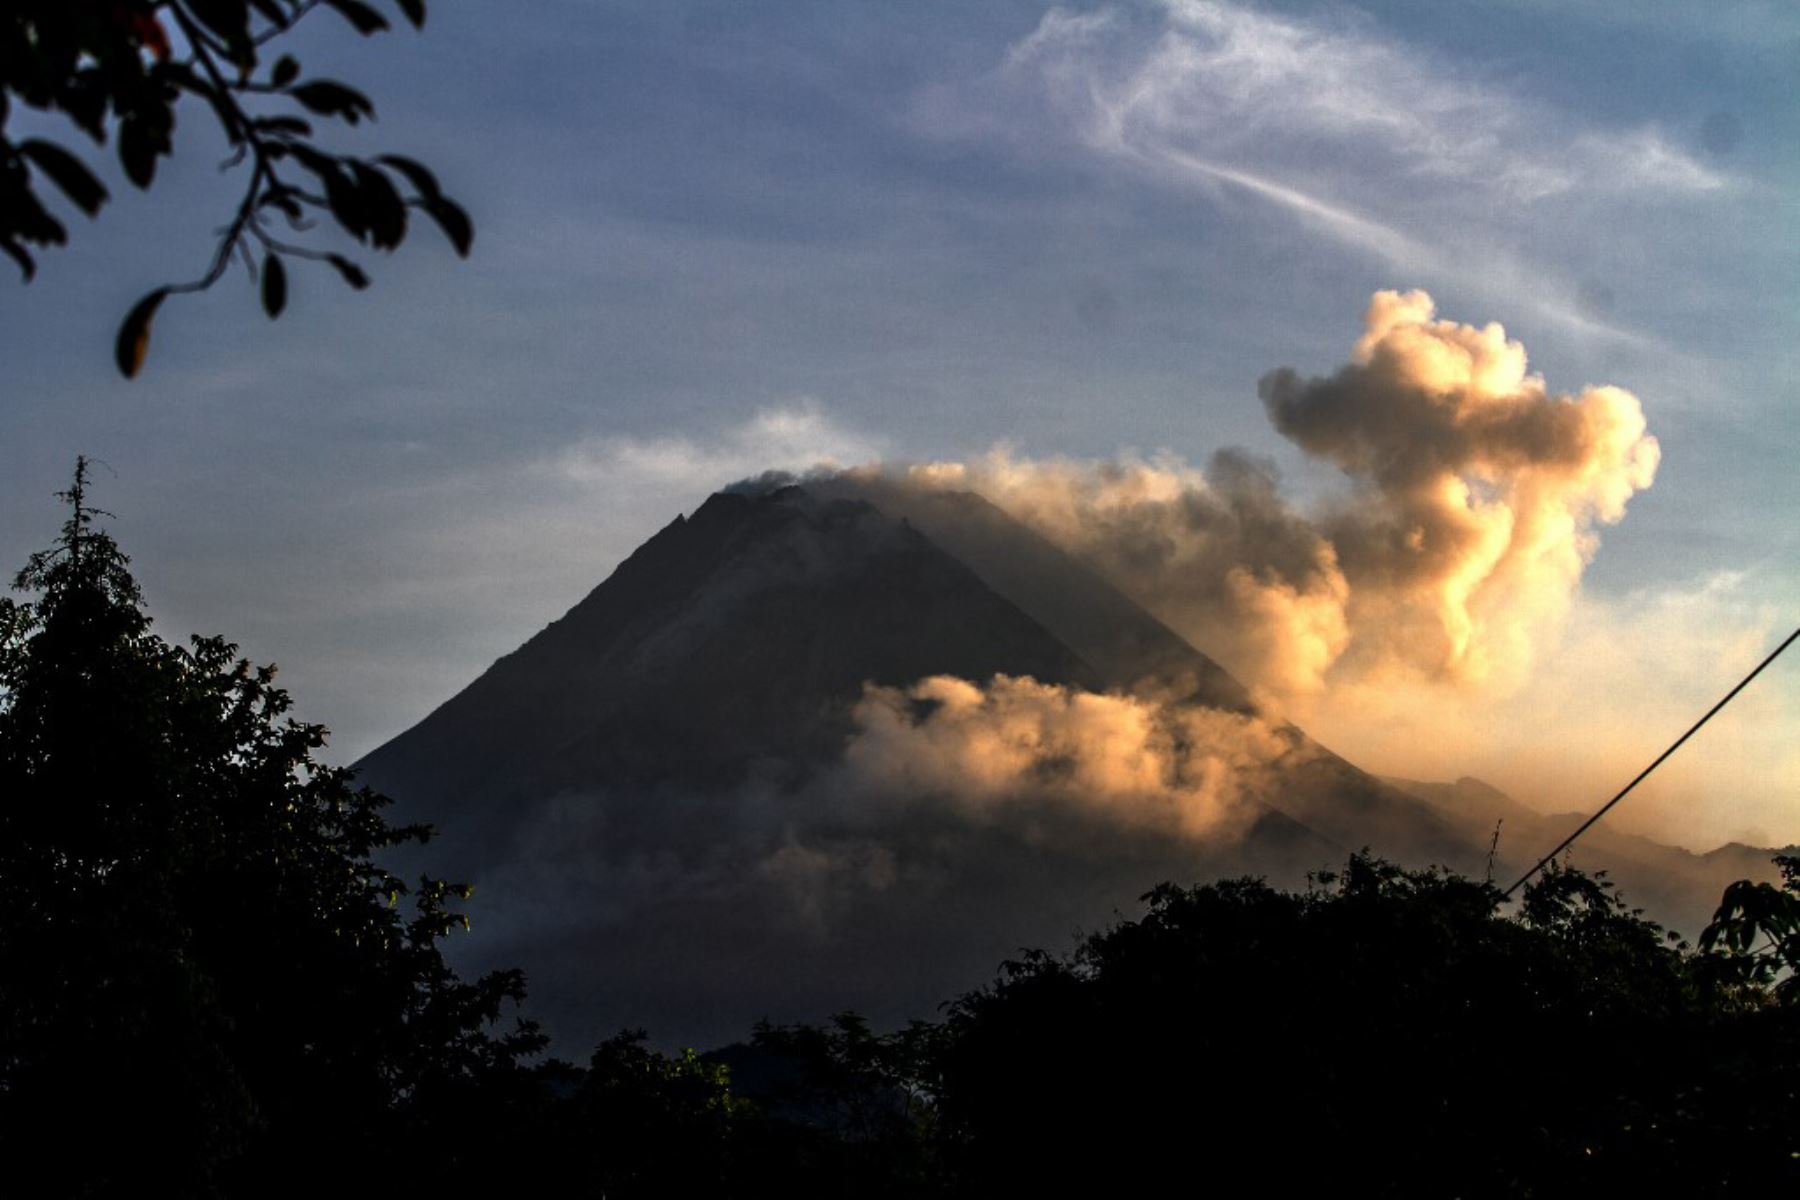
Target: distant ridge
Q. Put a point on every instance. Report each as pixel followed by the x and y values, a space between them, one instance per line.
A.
pixel 1679 887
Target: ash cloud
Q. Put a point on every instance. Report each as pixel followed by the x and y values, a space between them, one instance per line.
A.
pixel 1475 495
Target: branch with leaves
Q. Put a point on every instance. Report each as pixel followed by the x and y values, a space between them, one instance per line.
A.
pixel 119 69
pixel 1754 937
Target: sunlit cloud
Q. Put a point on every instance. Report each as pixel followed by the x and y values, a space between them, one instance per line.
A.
pixel 1459 549
pixel 1622 678
pixel 1009 749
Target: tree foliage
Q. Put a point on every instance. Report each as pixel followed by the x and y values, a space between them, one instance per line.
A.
pixel 120 70
pixel 1388 1026
pixel 1389 1031
pixel 643 1123
pixel 203 972
pixel 1754 940
pixel 848 1109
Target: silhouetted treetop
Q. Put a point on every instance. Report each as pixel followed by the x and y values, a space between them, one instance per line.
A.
pixel 203 971
pixel 1389 1027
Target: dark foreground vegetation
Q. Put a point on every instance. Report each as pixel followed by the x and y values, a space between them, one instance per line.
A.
pixel 207 987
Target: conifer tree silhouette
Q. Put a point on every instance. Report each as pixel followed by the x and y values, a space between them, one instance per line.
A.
pixel 203 971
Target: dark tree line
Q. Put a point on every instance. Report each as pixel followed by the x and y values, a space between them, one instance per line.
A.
pixel 209 987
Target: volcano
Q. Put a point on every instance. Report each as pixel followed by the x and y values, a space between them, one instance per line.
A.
pixel 653 799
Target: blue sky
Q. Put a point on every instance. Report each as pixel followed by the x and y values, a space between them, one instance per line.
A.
pixel 717 237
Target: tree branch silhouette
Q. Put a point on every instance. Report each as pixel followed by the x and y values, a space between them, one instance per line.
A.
pixel 115 72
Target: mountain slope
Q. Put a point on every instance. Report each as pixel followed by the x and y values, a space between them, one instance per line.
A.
pixel 731 641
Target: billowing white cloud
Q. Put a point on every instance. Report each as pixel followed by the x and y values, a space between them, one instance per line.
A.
pixel 1217 554
pixel 1625 675
pixel 1478 489
pixel 964 819
pixel 1476 493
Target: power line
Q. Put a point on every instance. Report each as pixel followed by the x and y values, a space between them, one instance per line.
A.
pixel 1642 775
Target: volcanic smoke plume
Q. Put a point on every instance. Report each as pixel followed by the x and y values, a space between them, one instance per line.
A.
pixel 1474 496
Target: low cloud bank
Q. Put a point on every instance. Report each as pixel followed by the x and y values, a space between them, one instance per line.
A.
pixel 1016 748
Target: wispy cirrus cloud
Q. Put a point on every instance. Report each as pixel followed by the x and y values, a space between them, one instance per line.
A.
pixel 1375 144
pixel 1218 81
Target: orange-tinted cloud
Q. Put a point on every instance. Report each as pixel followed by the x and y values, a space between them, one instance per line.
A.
pixel 1477 490
pixel 1021 753
pixel 1475 496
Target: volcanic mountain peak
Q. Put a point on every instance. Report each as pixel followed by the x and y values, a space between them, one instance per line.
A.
pixel 735 639
pixel 729 783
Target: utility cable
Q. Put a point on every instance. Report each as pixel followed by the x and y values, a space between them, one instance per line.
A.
pixel 1642 775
